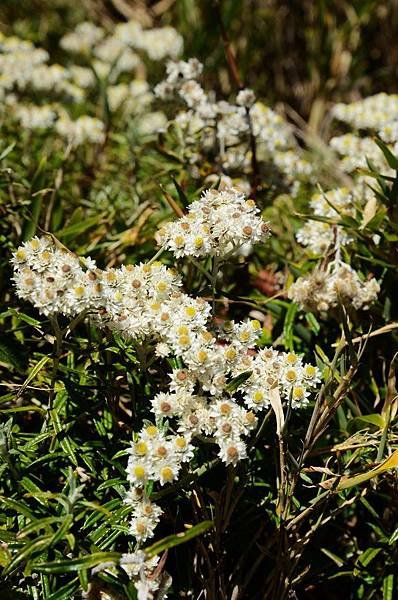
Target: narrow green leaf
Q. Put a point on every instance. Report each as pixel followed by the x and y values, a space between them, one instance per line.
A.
pixel 366 557
pixel 289 325
pixel 80 227
pixel 388 587
pixel 67 591
pixel 7 150
pixel 237 381
pixel 179 538
pixel 77 564
pixel 388 155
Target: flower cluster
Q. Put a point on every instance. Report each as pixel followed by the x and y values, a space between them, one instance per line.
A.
pixel 26 74
pixel 221 383
pixel 368 113
pixel 219 127
pixel 319 236
pixel 155 457
pixel 84 129
pixel 142 570
pixel 24 70
pixel 157 43
pixel 339 283
pixel 356 152
pixel 218 224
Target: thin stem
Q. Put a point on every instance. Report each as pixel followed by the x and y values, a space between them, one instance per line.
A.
pixel 201 269
pixel 57 349
pixel 214 274
pixel 240 85
pixel 158 253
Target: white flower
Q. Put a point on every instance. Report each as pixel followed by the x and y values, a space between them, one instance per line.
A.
pixel 232 451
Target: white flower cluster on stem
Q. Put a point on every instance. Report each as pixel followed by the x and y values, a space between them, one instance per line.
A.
pixel 216 225
pixel 224 128
pixel 219 383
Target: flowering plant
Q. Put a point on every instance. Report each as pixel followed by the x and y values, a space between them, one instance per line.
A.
pixel 198 392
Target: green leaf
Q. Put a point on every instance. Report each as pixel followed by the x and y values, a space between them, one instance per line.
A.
pixel 388 587
pixel 361 422
pixel 180 538
pixel 338 561
pixel 388 155
pixel 61 532
pixel 28 551
pixel 18 409
pixel 348 482
pixel 313 322
pixel 393 538
pixel 237 381
pixel 80 227
pixel 366 557
pixel 67 591
pixel 77 564
pixel 36 369
pixel 288 326
pixel 37 525
pixel 7 150
pixel 22 317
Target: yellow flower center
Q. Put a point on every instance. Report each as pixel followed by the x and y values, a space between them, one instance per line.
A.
pixel 139 472
pixel 230 354
pixel 225 408
pixel 167 474
pixel 181 443
pixel 228 326
pixel 35 244
pixel 292 358
pixel 161 286
pixel 298 393
pixel 256 325
pixel 110 277
pixel 20 254
pixel 148 510
pixel 202 356
pixel 140 527
pixel 310 371
pixel 250 417
pixel 141 448
pixel 79 291
pixel 179 241
pixel 244 336
pixel 190 311
pixel 151 431
pixel 258 396
pixel 45 255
